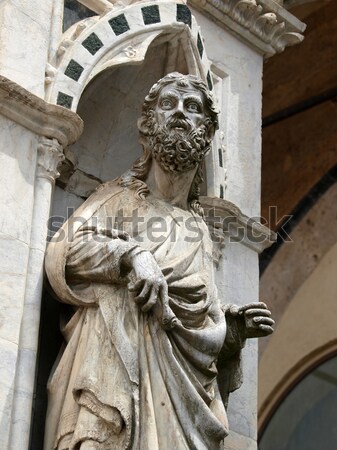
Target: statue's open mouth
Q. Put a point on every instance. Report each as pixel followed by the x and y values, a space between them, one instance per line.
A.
pixel 180 125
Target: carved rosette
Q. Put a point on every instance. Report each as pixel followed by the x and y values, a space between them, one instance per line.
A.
pixel 49 156
pixel 264 23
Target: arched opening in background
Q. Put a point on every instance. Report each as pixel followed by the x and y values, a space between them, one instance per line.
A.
pixel 306 417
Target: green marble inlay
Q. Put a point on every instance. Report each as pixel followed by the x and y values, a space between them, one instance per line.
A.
pixel 151 14
pixel 74 70
pixel 64 100
pixel 184 15
pixel 220 157
pixel 200 45
pixel 119 24
pixel 209 81
pixel 92 43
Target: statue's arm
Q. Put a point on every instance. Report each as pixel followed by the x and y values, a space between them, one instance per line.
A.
pixel 99 255
pixel 76 260
pixel 248 321
pixel 108 256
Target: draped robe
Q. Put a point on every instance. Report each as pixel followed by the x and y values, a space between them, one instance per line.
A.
pixel 123 380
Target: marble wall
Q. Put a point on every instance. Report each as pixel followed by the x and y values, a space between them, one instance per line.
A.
pixel 17 160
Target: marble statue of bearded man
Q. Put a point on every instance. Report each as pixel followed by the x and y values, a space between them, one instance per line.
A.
pixel 140 367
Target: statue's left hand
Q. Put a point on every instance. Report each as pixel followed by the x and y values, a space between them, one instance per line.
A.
pixel 257 319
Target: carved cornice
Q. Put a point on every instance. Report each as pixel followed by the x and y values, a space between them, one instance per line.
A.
pixel 264 24
pixel 224 215
pixel 37 115
pixel 49 156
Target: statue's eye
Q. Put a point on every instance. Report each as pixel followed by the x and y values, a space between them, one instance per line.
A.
pixel 193 107
pixel 166 103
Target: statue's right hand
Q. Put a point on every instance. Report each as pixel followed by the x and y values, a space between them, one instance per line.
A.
pixel 150 283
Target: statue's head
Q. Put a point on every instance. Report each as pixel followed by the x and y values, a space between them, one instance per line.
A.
pixel 178 121
pixel 177 125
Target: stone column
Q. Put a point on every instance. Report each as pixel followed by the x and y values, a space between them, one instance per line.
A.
pixel 33 134
pixel 49 154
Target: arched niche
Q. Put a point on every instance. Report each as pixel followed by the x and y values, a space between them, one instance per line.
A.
pixel 105 67
pixel 103 73
pixel 110 107
pixel 123 36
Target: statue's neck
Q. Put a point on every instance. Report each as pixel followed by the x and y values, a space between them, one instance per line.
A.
pixel 171 187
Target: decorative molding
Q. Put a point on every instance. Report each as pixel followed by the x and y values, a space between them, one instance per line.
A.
pixel 37 115
pixel 120 36
pixel 50 155
pixel 263 24
pixel 222 214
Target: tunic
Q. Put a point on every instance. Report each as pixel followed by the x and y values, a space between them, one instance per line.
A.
pixel 125 381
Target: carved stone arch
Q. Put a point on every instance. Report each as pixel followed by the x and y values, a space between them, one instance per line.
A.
pixel 123 51
pixel 123 36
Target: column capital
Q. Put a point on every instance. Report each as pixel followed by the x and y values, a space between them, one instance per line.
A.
pixel 49 155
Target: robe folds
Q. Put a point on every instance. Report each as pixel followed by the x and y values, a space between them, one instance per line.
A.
pixel 125 381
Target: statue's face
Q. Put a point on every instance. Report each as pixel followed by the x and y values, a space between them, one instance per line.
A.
pixel 177 129
pixel 180 109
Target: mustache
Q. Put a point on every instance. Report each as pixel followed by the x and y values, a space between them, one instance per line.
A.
pixel 178 121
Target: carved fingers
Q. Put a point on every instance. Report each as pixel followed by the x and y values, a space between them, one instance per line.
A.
pixel 150 289
pixel 147 293
pixel 150 281
pixel 258 321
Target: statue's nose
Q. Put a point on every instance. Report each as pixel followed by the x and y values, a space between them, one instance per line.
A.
pixel 179 114
pixel 180 108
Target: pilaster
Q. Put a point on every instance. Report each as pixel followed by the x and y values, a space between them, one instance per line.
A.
pixel 34 134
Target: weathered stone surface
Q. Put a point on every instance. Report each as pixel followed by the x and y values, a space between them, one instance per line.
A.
pixel 36 115
pixel 152 306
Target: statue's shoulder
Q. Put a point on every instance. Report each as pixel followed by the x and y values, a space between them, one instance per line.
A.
pixel 105 192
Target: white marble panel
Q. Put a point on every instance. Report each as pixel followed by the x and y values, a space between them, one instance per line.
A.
pixel 24 37
pixel 8 357
pixel 17 174
pixel 13 266
pixel 244 68
pixel 238 274
pixel 242 406
pixel 23 396
pixel 237 280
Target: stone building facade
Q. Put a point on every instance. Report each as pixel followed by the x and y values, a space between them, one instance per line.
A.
pixel 72 78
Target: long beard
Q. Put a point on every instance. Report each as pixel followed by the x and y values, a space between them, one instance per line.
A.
pixel 179 150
